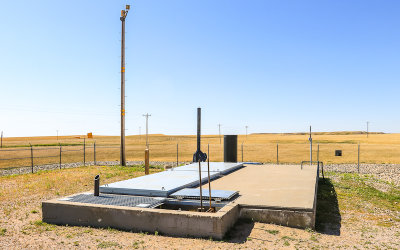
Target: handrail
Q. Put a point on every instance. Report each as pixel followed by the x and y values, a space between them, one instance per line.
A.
pixel 318 163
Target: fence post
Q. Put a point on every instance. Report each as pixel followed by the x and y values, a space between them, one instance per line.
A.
pixel 94 153
pixel 318 153
pixel 358 161
pixel 146 161
pixel 60 155
pixel 242 151
pixel 277 154
pixel 84 151
pixel 31 157
pixel 177 154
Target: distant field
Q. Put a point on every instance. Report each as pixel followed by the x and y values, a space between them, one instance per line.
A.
pixel 293 148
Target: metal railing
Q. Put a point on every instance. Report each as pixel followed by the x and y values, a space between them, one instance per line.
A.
pixel 319 163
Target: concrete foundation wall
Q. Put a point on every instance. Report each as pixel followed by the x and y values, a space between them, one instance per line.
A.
pixel 174 223
pixel 290 218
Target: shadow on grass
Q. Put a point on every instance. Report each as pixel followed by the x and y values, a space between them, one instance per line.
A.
pixel 328 218
pixel 240 232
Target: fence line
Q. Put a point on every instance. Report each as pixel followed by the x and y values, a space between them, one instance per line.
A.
pixel 31 156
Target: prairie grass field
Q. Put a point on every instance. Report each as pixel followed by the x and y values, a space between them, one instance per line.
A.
pixel 378 148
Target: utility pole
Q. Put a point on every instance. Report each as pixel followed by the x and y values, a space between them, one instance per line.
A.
pixel 219 132
pixel 147 129
pixel 367 128
pixel 124 13
pixel 310 139
pixel 246 131
pixel 57 135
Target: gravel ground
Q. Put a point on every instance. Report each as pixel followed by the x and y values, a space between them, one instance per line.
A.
pixel 26 170
pixel 385 172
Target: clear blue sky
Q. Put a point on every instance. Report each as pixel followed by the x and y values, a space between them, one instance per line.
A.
pixel 276 66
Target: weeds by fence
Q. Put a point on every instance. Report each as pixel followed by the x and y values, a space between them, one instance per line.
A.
pixel 282 153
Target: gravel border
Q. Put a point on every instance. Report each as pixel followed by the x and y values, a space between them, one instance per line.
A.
pixel 27 170
pixel 386 172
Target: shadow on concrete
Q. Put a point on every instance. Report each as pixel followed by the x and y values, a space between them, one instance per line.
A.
pixel 328 218
pixel 240 232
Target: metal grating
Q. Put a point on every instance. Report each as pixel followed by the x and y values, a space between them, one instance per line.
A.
pixel 117 200
pixel 194 193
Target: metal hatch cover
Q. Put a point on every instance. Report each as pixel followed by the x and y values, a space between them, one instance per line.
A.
pixel 194 193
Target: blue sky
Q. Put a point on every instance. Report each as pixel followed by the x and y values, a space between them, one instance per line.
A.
pixel 276 66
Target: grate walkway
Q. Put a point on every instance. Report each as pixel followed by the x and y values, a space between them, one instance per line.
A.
pixel 117 200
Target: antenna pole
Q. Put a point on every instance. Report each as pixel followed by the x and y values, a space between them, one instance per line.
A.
pixel 124 13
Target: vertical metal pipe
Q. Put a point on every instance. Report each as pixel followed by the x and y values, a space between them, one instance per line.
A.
pixel 123 156
pixel 219 133
pixel 94 153
pixel 208 170
pixel 31 157
pixel 277 154
pixel 177 154
pixel 84 152
pixel 198 129
pixel 242 151
pixel 201 188
pixel 60 155
pixel 97 185
pixel 358 161
pixel 146 161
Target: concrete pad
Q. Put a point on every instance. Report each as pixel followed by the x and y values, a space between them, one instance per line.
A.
pixel 283 194
pixel 279 194
pixel 285 186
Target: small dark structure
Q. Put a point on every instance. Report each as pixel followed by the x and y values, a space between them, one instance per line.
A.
pixel 338 152
pixel 230 148
pixel 97 185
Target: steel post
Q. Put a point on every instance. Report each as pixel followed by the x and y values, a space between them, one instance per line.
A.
pixel 84 152
pixel 208 170
pixel 277 154
pixel 146 161
pixel 94 153
pixel 31 157
pixel 242 151
pixel 201 188
pixel 358 161
pixel 60 155
pixel 177 154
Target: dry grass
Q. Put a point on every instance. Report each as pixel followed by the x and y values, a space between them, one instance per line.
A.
pixel 293 148
pixel 351 213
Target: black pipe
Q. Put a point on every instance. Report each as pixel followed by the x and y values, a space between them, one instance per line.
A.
pixel 97 185
pixel 198 128
pixel 198 155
